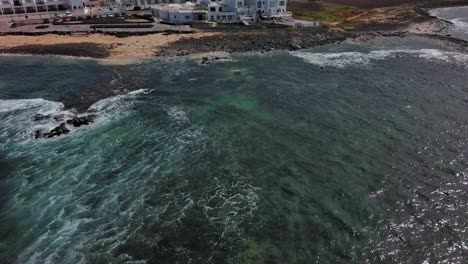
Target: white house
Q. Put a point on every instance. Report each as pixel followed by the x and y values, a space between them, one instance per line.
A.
pixel 223 11
pixel 14 7
pixel 9 7
pixel 175 13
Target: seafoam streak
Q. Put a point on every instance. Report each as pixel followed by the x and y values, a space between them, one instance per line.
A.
pixel 346 59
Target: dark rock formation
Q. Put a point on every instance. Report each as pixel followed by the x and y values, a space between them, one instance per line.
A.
pixel 85 49
pixel 62 129
pixel 209 60
pixel 79 121
pixel 39 117
pixel 59 118
pixel 252 41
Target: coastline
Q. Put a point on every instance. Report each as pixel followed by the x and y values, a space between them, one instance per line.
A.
pixel 114 48
pixel 97 46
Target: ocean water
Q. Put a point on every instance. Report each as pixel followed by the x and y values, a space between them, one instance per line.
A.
pixel 458 16
pixel 347 153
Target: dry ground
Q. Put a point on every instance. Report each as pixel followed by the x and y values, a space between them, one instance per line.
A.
pixel 134 47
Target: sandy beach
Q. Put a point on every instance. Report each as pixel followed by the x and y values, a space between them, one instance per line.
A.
pixel 119 49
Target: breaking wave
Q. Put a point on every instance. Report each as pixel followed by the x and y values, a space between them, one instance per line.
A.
pixel 18 116
pixel 460 23
pixel 95 193
pixel 346 59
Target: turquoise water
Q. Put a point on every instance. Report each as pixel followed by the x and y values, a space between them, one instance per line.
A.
pixel 342 154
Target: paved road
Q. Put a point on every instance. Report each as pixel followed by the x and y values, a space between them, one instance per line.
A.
pixel 157 27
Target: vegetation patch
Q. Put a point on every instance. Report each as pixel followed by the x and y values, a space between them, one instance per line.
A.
pixel 330 14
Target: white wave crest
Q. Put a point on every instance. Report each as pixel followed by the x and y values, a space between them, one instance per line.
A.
pixel 43 106
pixel 460 23
pixel 18 122
pixel 345 59
pixel 17 117
pixel 177 113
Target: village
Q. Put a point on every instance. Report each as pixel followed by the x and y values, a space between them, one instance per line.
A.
pixel 127 30
pixel 140 16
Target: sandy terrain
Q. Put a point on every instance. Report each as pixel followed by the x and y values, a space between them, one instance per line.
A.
pixel 384 15
pixel 434 26
pixel 120 49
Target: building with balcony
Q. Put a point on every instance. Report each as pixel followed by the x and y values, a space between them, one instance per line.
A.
pixel 222 11
pixel 14 7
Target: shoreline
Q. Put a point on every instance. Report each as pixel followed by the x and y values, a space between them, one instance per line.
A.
pixel 95 46
pixel 202 44
pixel 122 49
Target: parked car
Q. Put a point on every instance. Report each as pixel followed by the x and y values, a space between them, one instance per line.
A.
pixel 110 14
pixel 66 19
pixel 58 19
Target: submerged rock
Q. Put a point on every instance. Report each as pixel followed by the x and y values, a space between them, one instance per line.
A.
pixel 39 117
pixel 59 118
pixel 208 60
pixel 79 121
pixel 37 134
pixel 62 129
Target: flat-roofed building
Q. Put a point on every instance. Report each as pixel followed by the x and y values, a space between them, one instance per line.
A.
pixel 17 7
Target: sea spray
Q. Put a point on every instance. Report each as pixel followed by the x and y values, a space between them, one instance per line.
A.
pixel 365 59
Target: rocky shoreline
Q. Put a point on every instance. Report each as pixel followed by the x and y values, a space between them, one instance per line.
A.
pixel 237 42
pixel 263 41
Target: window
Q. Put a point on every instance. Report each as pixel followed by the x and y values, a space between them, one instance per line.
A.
pixel 229 17
pixel 239 4
pixel 259 4
pixel 282 3
pixel 218 17
pixel 6 2
pixel 213 9
pixel 220 9
pixel 187 17
pixel 28 1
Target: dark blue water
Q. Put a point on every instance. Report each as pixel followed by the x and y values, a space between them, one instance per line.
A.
pixel 343 154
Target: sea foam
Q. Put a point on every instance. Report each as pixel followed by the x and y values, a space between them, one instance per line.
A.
pixel 346 59
pixel 17 116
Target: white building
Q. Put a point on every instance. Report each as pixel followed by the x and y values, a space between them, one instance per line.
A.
pixel 177 13
pixel 223 11
pixel 13 7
